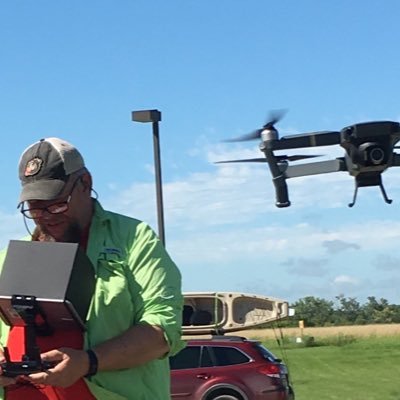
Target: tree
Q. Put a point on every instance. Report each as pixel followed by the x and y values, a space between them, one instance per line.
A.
pixel 381 312
pixel 313 311
pixel 348 312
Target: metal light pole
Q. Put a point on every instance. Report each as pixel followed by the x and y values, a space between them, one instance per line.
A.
pixel 154 116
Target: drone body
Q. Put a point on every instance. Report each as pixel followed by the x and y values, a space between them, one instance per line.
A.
pixel 369 151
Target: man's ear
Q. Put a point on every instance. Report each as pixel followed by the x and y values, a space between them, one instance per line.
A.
pixel 86 181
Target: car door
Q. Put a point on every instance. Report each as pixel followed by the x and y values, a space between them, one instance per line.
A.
pixel 186 374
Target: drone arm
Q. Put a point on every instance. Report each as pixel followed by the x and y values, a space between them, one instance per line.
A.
pixel 315 168
pixel 326 138
pixel 278 179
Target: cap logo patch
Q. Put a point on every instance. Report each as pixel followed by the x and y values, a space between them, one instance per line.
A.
pixel 33 166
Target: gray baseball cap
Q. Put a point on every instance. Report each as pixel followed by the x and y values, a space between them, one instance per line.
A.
pixel 45 166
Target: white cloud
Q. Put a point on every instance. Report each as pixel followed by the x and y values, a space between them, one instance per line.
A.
pixel 346 279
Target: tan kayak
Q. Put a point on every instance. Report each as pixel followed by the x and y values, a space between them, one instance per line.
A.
pixel 220 312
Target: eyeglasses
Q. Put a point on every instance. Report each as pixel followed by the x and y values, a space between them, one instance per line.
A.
pixel 56 208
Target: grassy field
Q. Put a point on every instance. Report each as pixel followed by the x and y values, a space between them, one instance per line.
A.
pixel 340 363
pixel 353 330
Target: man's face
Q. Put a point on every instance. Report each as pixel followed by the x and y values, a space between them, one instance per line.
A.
pixel 65 226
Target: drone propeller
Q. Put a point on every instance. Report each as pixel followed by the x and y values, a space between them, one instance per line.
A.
pixel 274 117
pixel 280 158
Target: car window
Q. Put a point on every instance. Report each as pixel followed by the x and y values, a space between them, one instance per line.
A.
pixel 189 357
pixel 265 352
pixel 206 360
pixel 228 356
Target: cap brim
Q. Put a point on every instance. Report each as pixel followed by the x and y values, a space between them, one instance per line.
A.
pixel 42 190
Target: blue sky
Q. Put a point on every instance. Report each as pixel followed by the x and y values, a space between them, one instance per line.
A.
pixel 77 69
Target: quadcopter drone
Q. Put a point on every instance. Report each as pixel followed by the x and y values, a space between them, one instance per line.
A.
pixel 369 151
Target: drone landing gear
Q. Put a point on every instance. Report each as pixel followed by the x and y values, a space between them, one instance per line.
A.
pixel 369 182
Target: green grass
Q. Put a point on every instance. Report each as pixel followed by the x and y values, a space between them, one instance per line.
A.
pixel 343 368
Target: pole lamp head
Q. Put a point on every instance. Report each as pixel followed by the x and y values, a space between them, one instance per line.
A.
pixel 146 116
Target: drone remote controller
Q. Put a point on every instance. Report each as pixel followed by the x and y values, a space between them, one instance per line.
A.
pixel 14 369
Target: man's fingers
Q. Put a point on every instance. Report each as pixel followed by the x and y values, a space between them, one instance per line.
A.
pixel 52 355
pixel 39 377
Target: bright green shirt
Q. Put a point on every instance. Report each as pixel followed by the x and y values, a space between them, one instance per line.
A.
pixel 136 282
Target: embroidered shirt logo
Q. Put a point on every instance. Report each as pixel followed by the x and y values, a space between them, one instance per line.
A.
pixel 110 254
pixel 33 166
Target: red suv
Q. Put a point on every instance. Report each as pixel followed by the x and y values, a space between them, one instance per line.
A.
pixel 228 368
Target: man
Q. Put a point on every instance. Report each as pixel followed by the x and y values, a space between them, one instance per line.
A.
pixel 134 320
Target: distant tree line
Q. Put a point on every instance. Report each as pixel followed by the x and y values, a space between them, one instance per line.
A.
pixel 315 311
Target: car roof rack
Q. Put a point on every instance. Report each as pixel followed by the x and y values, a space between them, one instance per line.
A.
pixel 232 338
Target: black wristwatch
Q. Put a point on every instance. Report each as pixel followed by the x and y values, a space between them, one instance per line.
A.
pixel 93 363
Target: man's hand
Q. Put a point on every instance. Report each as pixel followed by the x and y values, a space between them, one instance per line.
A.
pixel 4 380
pixel 71 366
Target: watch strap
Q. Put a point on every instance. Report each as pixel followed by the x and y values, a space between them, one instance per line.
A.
pixel 93 363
